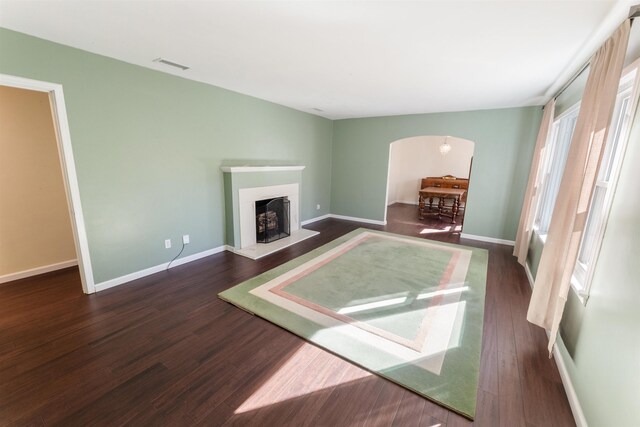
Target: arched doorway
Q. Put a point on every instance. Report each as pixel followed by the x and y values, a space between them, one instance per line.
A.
pixel 414 158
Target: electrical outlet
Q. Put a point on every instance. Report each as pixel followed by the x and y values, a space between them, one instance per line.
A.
pixel 318 206
pixel 185 239
pixel 167 243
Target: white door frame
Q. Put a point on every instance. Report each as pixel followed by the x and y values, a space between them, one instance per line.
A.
pixel 65 152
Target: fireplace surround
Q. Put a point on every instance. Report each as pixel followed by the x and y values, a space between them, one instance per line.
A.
pixel 246 185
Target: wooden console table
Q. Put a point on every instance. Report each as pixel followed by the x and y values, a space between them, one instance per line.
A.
pixel 441 194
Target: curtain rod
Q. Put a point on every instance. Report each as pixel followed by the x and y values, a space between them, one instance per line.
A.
pixel 572 79
pixel 634 12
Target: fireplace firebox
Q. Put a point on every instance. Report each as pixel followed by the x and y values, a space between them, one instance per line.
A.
pixel 272 219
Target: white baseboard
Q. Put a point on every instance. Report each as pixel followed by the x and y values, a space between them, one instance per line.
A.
pixel 487 239
pixel 365 220
pixel 408 202
pixel 38 270
pixel 318 218
pixel 155 269
pixel 404 202
pixel 346 218
pixel 572 396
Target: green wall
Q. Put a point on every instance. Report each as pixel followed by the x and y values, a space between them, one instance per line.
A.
pixel 601 340
pixel 504 141
pixel 148 148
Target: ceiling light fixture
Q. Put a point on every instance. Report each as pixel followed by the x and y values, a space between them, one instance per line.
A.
pixel 445 147
pixel 171 63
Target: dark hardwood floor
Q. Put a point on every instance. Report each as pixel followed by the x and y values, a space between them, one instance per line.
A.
pixel 164 350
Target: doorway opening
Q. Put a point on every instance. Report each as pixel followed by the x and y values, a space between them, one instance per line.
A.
pixel 75 248
pixel 420 162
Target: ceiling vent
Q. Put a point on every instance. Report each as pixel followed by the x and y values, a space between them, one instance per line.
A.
pixel 171 63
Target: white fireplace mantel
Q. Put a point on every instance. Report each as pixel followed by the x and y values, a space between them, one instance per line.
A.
pixel 240 169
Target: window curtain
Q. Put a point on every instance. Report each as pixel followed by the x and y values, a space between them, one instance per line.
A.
pixel 560 251
pixel 525 227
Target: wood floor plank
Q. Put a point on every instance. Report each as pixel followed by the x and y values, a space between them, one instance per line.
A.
pixel 488 413
pixel 435 411
pixel 361 395
pixel 164 350
pixel 409 410
pixel 124 401
pixel 488 380
pixel 386 406
pixel 310 389
pixel 511 407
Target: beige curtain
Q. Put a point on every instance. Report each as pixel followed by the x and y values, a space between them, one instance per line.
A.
pixel 569 214
pixel 527 215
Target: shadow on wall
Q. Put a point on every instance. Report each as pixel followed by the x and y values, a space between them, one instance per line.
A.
pixel 411 159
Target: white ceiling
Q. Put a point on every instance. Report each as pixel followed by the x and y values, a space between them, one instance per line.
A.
pixel 347 58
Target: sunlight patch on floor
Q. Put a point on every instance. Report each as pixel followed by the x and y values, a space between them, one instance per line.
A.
pixel 442 292
pixel 440 331
pixel 283 384
pixel 447 229
pixel 372 305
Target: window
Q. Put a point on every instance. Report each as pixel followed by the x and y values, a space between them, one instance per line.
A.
pixel 554 160
pixel 604 188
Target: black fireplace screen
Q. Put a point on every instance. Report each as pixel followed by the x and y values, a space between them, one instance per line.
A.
pixel 272 219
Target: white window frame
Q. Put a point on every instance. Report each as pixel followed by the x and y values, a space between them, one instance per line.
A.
pixel 551 183
pixel 620 126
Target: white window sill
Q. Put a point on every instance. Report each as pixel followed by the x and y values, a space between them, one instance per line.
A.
pixel 577 288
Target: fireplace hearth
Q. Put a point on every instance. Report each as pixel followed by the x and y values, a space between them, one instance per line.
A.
pixel 272 219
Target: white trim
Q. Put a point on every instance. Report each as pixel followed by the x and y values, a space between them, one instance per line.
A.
pixel 487 239
pixel 344 217
pixel 260 250
pixel 38 270
pixel 408 202
pixel 386 193
pixel 241 169
pixel 365 220
pixel 70 178
pixel 157 268
pixel 316 219
pixel 572 396
pixel 529 275
pixel 582 276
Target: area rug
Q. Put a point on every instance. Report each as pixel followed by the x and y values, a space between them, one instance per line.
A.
pixel 408 309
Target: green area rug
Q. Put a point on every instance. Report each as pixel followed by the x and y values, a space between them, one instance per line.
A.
pixel 405 308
